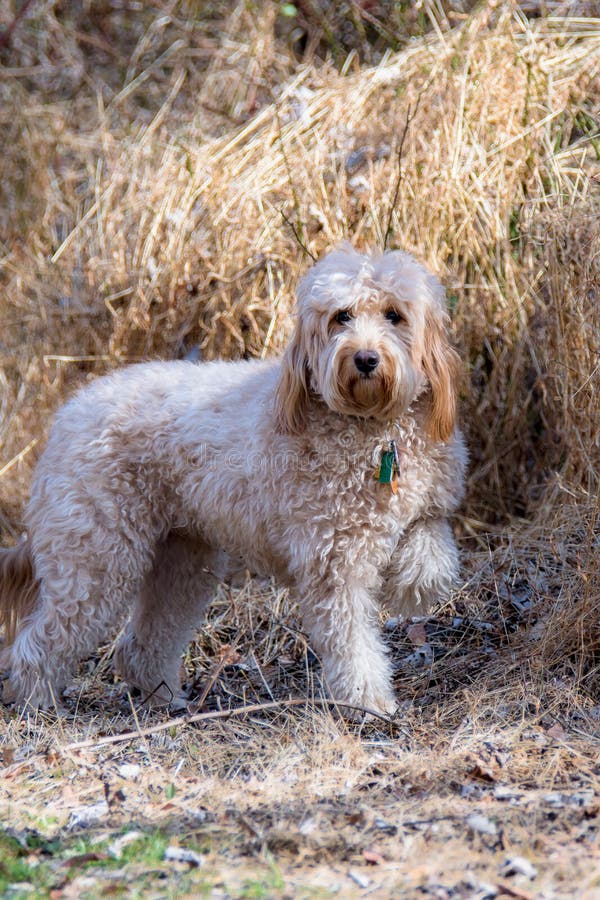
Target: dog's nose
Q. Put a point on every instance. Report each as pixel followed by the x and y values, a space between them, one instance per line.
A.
pixel 366 361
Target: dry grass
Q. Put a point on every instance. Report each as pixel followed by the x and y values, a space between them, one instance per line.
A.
pixel 156 164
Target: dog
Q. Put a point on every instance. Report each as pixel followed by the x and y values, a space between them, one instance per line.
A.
pixel 333 469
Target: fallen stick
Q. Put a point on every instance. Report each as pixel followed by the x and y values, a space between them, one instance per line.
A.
pixel 220 714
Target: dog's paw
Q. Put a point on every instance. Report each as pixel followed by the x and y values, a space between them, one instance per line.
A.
pixel 365 703
pixel 382 704
pixel 179 704
pixel 40 700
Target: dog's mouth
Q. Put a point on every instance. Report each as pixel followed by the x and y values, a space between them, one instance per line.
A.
pixel 369 394
pixel 370 391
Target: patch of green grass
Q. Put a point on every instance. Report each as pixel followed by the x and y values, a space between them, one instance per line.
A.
pixel 264 885
pixel 31 867
pixel 149 850
pixel 17 868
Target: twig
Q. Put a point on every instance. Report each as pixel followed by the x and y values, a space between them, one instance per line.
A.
pixel 298 228
pixel 215 675
pixel 410 114
pixel 223 714
pixel 386 33
pixel 8 31
pixel 20 455
pixel 289 222
pixel 153 693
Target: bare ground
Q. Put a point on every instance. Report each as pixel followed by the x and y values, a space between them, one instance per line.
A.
pixel 486 785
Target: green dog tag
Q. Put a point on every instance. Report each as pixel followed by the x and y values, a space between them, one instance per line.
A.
pixel 386 467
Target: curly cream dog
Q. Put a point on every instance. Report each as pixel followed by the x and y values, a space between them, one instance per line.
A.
pixel 153 473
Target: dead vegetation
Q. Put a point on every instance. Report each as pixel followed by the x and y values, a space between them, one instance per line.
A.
pixel 167 171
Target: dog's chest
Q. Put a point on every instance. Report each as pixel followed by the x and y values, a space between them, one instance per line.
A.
pixel 344 485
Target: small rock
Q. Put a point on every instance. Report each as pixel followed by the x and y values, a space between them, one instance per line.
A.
pixel 471 791
pixel 583 799
pixel 518 865
pixel 129 770
pixel 555 800
pixel 537 631
pixel 358 183
pixel 578 799
pixel 84 816
pixel 505 792
pixel 423 656
pixel 117 846
pixel 521 600
pixel 481 889
pixel 481 824
pixel 180 854
pixel 358 878
pixel 356 159
pixel 487 891
pixel 201 815
pixel 308 826
pixel 386 827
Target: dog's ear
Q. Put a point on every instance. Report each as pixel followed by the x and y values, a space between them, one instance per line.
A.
pixel 441 364
pixel 292 392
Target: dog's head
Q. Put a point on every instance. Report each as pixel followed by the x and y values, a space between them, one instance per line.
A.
pixel 371 337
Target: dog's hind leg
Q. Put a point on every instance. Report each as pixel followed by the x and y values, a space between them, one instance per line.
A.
pixel 169 608
pixel 82 596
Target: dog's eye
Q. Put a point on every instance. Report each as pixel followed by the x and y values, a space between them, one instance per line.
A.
pixel 343 317
pixel 393 316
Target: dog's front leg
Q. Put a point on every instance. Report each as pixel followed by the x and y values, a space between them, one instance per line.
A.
pixel 341 618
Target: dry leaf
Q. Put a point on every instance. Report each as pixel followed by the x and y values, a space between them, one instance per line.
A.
pixel 83 858
pixel 8 756
pixel 14 771
pixel 228 654
pixel 482 772
pixel 416 634
pixel 373 857
pixel 556 732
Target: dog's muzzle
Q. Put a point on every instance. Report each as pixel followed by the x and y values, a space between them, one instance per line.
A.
pixel 366 361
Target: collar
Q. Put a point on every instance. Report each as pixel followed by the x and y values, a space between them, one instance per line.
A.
pixel 388 465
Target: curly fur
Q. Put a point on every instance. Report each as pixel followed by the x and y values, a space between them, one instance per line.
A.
pixel 154 474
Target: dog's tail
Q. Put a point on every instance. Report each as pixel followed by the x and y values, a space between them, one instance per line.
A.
pixel 18 588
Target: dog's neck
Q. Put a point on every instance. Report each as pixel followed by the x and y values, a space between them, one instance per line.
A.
pixel 365 426
pixel 362 432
